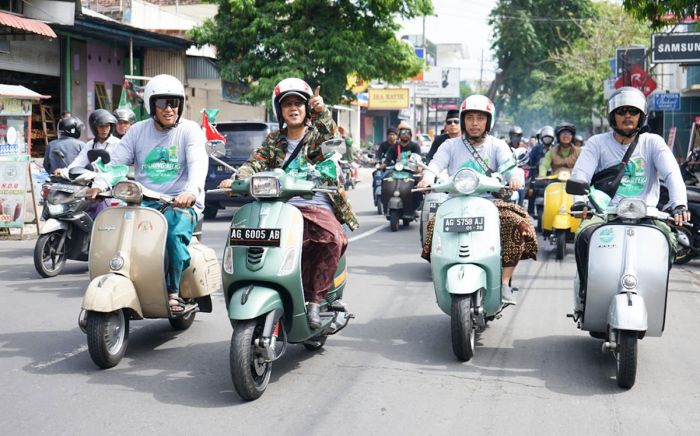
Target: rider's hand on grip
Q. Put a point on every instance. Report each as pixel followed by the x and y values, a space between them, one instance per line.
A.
pixel 681 215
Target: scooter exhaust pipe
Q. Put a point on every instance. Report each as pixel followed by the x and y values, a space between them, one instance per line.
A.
pixel 609 346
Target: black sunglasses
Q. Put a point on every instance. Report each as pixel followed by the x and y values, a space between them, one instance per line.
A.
pixel 622 111
pixel 448 122
pixel 162 103
pixel 402 131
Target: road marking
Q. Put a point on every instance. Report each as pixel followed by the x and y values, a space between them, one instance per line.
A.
pixel 367 233
pixel 66 356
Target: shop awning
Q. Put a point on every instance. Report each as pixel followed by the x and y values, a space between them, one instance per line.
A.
pixel 19 91
pixel 26 25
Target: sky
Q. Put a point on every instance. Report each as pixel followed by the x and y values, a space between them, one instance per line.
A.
pixel 460 22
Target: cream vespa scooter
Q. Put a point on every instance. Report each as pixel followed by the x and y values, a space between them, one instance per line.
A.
pixel 127 265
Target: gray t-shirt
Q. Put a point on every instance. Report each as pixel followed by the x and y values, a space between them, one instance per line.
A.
pixel 70 147
pixel 169 162
pixel 651 160
pixel 454 155
pixel 320 199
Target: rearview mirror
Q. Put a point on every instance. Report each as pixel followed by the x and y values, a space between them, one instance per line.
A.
pixel 577 187
pixel 216 148
pixel 337 145
pixel 94 154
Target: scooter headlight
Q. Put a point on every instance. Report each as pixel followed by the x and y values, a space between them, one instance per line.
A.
pixel 57 209
pixel 128 191
pixel 398 166
pixel 466 181
pixel 631 208
pixel 264 187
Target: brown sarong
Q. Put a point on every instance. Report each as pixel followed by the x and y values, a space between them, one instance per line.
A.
pixel 324 244
pixel 518 237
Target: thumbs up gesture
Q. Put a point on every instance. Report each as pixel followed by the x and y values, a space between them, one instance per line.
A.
pixel 316 102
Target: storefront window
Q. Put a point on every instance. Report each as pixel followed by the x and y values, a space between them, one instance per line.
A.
pixel 11 6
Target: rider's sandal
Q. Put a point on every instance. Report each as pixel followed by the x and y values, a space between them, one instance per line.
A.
pixel 180 304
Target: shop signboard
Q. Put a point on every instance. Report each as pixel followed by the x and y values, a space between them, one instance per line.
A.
pixel 388 98
pixel 675 48
pixel 13 187
pixel 439 82
pixel 15 116
pixel 669 101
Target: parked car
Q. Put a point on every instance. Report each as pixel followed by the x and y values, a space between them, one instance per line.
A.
pixel 242 137
pixel 424 141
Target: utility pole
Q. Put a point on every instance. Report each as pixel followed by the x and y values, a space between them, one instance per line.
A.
pixel 481 72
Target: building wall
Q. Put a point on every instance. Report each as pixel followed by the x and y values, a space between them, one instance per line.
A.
pixel 36 57
pixel 165 62
pixel 104 64
pixel 207 94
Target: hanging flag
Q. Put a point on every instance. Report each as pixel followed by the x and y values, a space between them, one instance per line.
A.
pixel 132 95
pixel 209 130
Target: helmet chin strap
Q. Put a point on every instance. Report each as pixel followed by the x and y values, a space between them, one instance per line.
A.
pixel 476 139
pixel 155 118
pixel 637 131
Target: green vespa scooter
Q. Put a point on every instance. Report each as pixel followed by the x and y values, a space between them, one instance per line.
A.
pixel 466 256
pixel 262 280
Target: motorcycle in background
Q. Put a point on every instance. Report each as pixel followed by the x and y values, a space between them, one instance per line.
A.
pixel 397 197
pixel 555 222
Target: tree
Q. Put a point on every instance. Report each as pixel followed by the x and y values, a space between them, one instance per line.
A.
pixel 582 66
pixel 661 13
pixel 260 42
pixel 526 31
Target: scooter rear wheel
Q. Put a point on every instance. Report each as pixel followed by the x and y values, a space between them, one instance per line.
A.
pixel 626 357
pixel 249 370
pixel 108 336
pixel 684 254
pixel 462 327
pixel 48 261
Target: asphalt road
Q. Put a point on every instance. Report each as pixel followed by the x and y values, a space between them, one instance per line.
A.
pixel 392 371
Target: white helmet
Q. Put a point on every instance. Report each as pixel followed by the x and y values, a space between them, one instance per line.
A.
pixel 627 96
pixel 164 85
pixel 291 86
pixel 478 103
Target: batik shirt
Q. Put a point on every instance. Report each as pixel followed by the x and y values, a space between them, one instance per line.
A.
pixel 271 154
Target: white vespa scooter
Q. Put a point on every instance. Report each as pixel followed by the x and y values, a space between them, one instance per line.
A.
pixel 620 289
pixel 127 264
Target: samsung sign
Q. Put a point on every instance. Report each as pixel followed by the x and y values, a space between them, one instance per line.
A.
pixel 675 48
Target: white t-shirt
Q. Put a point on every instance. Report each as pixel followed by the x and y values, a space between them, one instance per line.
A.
pixel 650 160
pixel 82 160
pixel 453 155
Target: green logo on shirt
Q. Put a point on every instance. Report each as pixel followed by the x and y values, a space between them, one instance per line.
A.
pixel 634 179
pixel 474 165
pixel 162 165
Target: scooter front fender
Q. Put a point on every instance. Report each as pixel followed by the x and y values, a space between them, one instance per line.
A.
pixel 465 279
pixel 395 203
pixel 627 312
pixel 251 301
pixel 561 222
pixel 53 225
pixel 110 292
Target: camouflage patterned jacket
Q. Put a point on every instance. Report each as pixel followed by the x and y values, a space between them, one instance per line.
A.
pixel 271 154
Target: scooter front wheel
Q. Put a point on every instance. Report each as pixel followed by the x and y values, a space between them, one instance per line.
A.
pixel 560 235
pixel 250 371
pixel 462 327
pixel 626 358
pixel 49 260
pixel 394 217
pixel 108 336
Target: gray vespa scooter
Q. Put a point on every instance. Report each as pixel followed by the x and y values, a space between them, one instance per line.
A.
pixel 620 292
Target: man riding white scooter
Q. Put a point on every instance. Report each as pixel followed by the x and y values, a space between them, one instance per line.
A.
pixel 169 157
pixel 650 161
pixel 305 123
